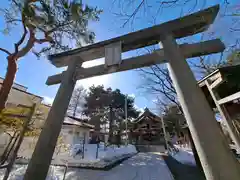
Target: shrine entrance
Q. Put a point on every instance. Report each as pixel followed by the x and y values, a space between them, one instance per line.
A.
pixel 217 161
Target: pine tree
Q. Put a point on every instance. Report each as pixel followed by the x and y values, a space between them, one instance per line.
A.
pixel 53 25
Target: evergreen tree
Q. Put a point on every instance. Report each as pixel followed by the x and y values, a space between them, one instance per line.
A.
pixel 105 104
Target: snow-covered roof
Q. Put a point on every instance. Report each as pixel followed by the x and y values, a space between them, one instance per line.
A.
pixel 68 120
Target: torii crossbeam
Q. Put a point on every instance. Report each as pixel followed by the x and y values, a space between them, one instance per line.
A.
pixel 217 161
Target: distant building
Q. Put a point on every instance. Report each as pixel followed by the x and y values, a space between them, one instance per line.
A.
pixel 20 96
pixel 73 131
pixel 76 131
pixel 147 129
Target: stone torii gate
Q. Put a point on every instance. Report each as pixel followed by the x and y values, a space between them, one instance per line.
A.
pixel 217 161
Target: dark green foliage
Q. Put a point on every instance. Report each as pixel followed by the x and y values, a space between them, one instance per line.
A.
pixel 53 25
pixel 99 101
pixel 63 24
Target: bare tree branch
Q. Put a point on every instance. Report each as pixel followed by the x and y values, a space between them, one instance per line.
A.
pixel 46 39
pixel 6 51
pixel 29 44
pixel 134 13
pixel 23 36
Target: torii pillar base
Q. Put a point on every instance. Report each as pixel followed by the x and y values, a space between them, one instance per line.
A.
pixel 217 160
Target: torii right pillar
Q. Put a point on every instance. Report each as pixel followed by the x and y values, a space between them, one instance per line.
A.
pixel 217 160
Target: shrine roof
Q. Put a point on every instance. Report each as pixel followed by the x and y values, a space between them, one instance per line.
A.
pixel 146 113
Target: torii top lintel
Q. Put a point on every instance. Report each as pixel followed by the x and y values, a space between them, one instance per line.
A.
pixel 181 27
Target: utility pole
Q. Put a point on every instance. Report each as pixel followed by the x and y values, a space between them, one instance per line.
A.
pixel 126 119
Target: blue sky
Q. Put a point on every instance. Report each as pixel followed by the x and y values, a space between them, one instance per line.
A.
pixel 33 72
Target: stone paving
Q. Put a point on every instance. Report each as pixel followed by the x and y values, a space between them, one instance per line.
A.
pixel 143 166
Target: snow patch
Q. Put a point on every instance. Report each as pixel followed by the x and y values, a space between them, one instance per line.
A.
pixel 92 154
pixel 184 155
pixel 54 173
pixel 106 156
pixel 92 157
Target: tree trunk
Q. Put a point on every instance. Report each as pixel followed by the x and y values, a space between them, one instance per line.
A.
pixel 74 111
pixel 77 103
pixel 8 81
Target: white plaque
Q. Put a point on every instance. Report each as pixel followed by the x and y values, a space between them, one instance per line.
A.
pixel 113 54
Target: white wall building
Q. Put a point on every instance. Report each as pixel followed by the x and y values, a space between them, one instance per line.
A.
pixel 73 132
pixel 73 129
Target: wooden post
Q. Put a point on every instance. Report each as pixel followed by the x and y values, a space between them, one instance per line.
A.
pixel 97 150
pixel 225 117
pixel 217 160
pixel 42 155
pixel 19 142
pixel 83 149
pixel 9 148
pixel 110 136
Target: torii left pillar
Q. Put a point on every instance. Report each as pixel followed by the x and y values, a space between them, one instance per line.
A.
pixel 42 155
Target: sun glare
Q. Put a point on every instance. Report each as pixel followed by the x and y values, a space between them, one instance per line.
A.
pixel 98 80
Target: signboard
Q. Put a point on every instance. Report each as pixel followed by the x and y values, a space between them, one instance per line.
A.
pixel 113 54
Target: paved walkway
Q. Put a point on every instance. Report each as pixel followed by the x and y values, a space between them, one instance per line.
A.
pixel 143 166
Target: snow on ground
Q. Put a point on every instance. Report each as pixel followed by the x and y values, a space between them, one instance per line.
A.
pixel 93 156
pixel 184 155
pixel 143 166
pixel 54 173
pixel 105 156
